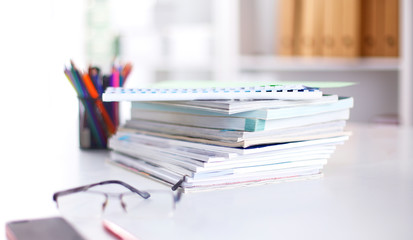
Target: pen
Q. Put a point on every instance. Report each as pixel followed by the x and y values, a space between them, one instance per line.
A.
pixel 117 231
pixel 95 72
pixel 115 83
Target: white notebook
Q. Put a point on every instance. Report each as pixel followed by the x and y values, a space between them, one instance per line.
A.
pixel 292 92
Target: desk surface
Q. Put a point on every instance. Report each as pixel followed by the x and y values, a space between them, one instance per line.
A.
pixel 366 193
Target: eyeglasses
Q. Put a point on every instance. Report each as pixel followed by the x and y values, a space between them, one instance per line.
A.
pixel 90 201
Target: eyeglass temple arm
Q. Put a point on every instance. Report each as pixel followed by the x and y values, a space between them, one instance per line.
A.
pixel 143 194
pixel 69 191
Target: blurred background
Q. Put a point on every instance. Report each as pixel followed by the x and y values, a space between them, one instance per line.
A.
pixel 361 41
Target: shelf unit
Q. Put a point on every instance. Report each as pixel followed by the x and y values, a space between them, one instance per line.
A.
pixel 229 63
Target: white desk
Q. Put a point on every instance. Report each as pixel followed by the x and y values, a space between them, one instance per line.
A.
pixel 366 193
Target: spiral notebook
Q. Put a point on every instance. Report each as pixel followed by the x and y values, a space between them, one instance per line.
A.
pixel 283 92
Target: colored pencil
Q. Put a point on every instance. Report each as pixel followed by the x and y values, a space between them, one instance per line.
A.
pixel 125 72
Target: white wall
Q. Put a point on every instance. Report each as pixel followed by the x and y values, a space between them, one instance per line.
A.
pixel 37 39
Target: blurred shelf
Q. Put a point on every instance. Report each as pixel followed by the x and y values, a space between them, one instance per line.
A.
pixel 274 63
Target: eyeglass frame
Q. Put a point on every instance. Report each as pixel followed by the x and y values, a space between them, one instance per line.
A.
pixel 84 188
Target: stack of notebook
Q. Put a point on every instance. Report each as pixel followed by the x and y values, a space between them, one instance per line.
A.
pixel 212 144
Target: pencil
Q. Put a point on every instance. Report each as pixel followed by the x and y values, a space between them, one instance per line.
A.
pixel 125 72
pixel 76 80
pixel 68 76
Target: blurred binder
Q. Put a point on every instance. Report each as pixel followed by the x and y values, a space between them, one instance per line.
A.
pixel 391 28
pixel 311 25
pixel 331 30
pixel 350 28
pixel 371 27
pixel 288 25
pixel 318 28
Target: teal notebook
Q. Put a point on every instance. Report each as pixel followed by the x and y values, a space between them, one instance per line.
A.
pixel 229 107
pixel 263 113
pixel 236 123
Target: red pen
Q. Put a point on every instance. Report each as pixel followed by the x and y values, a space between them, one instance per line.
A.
pixel 117 231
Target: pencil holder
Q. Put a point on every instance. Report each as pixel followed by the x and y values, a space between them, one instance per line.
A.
pixel 96 122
